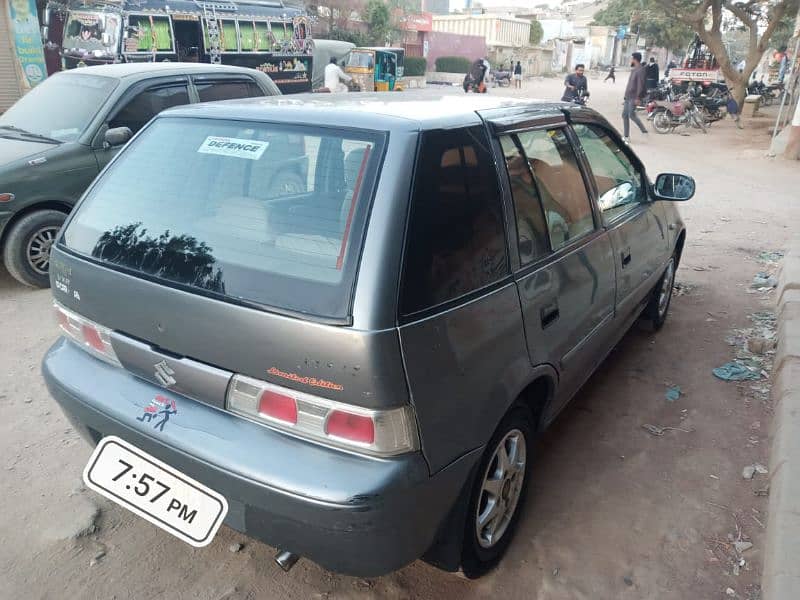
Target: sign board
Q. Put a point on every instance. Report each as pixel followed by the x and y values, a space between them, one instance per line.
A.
pixel 622 31
pixel 419 22
pixel 694 74
pixel 27 40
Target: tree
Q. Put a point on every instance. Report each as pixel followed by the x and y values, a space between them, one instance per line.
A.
pixel 649 19
pixel 377 16
pixel 537 33
pixel 760 18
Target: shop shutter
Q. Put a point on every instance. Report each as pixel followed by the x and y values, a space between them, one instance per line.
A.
pixel 9 82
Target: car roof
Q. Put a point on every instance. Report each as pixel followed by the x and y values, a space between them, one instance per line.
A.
pixel 377 110
pixel 144 69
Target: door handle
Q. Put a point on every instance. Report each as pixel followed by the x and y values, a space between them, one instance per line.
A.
pixel 549 314
pixel 625 255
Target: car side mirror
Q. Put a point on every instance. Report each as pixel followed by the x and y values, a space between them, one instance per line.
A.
pixel 674 187
pixel 118 136
pixel 45 33
pixel 106 38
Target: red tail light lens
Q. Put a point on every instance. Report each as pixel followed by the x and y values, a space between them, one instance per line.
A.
pixel 356 428
pixel 376 432
pixel 92 337
pixel 277 406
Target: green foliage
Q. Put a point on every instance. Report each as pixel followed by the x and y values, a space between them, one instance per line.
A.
pixel 650 19
pixel 453 64
pixel 783 32
pixel 415 66
pixel 377 16
pixel 537 33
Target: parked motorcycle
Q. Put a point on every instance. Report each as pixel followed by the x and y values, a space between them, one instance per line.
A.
pixel 768 93
pixel 667 115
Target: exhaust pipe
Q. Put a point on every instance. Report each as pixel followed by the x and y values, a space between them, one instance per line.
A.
pixel 286 560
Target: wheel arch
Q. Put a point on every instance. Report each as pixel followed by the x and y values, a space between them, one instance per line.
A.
pixel 58 205
pixel 535 395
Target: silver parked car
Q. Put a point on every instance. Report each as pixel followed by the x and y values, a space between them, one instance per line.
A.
pixel 352 366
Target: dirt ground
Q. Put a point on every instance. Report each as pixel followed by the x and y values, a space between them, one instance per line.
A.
pixel 614 511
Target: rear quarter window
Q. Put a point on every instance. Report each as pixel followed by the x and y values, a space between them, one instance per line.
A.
pixel 266 214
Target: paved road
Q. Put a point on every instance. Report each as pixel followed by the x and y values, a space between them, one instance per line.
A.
pixel 614 512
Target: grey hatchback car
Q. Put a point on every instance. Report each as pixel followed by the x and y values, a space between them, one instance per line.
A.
pixel 356 370
pixel 58 137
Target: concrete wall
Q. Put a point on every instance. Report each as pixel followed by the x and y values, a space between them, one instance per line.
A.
pixel 450 44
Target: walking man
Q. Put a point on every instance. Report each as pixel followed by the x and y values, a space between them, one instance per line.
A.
pixel 612 75
pixel 518 75
pixel 634 92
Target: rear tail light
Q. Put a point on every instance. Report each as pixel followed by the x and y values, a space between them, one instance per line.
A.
pixel 375 432
pixel 90 336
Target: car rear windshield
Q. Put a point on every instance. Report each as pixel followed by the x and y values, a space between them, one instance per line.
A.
pixel 265 214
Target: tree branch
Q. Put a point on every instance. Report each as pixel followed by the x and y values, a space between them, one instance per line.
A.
pixel 775 15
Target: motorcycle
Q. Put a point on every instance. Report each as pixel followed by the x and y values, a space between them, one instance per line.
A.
pixel 768 93
pixel 501 78
pixel 667 115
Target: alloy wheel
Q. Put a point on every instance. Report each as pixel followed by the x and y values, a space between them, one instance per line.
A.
pixel 501 489
pixel 38 250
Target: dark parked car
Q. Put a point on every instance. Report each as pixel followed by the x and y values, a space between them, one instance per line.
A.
pixel 55 140
pixel 354 371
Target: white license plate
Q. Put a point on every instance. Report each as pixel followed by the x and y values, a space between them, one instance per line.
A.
pixel 155 491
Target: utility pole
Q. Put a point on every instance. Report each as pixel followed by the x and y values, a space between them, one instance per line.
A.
pixel 793 144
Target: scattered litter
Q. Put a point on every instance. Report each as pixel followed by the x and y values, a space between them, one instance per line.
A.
pixel 755 425
pixel 742 546
pixel 714 477
pixel 28 400
pixel 655 430
pixel 763 491
pixel 235 548
pixel 628 580
pixel 673 393
pixel 750 470
pixel 682 289
pixel 730 592
pixel 764 280
pixel 736 371
pixel 555 572
pixel 770 257
pixel 761 346
pixel 736 569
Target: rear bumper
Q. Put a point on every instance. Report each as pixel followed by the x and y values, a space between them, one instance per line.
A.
pixel 353 515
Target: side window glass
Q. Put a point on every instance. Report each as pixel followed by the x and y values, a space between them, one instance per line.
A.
pixel 456 240
pixel 531 227
pixel 149 34
pixel 210 91
pixel 619 183
pixel 147 104
pixel 561 188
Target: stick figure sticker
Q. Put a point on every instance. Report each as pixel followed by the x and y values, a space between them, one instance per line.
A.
pixel 160 409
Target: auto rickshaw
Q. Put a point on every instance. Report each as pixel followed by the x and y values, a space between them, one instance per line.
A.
pixel 377 69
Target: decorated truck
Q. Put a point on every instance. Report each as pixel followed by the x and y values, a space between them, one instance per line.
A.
pixel 260 34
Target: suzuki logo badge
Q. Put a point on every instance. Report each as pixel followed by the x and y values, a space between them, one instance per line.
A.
pixel 164 374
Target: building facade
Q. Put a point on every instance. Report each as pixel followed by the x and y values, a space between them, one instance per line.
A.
pixel 10 77
pixel 498 31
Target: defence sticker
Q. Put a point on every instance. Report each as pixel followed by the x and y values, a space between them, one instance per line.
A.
pixel 225 146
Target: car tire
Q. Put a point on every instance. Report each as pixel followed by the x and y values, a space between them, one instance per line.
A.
pixel 661 298
pixel 26 251
pixel 496 485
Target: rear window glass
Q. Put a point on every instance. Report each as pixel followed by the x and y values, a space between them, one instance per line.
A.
pixel 262 213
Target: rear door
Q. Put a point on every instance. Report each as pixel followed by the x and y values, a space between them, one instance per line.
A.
pixel 140 104
pixel 637 226
pixel 565 274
